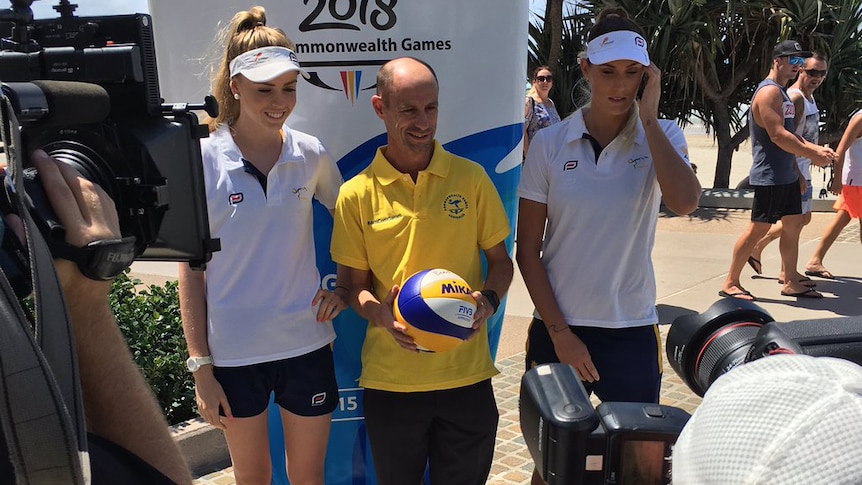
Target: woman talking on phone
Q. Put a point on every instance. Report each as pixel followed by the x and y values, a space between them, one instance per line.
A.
pixel 589 194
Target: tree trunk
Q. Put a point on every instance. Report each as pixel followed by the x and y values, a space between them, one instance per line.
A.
pixel 554 27
pixel 723 164
pixel 721 127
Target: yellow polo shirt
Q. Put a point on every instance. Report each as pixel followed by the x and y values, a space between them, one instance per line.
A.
pixel 386 223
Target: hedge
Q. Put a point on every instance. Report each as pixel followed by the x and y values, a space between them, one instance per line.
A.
pixel 149 318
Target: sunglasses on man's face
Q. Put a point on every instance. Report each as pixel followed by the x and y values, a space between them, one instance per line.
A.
pixel 796 60
pixel 816 72
pixel 544 79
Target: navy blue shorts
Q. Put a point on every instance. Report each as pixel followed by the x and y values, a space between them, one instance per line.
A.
pixel 304 385
pixel 771 203
pixel 628 359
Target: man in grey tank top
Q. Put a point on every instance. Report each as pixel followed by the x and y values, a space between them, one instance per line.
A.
pixel 807 121
pixel 775 177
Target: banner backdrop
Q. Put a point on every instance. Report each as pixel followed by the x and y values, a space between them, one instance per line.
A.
pixel 478 49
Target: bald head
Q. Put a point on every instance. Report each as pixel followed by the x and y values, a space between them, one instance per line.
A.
pixel 406 101
pixel 403 71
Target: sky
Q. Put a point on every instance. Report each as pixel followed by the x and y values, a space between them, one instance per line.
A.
pixel 42 8
pixel 86 8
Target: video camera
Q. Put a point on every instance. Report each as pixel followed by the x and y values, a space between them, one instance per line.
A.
pixel 85 90
pixel 632 443
pixel 620 443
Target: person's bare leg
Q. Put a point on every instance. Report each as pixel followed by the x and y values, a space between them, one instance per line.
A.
pixel 806 218
pixel 830 234
pixel 789 248
pixel 741 252
pixel 248 444
pixel 772 234
pixel 305 439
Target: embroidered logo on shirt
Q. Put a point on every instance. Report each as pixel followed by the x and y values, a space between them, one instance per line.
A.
pixel 638 162
pixel 455 205
pixel 234 199
pixel 318 399
pixel 384 219
pixel 301 193
pixel 570 165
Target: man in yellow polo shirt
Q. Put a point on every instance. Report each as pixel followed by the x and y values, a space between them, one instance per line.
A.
pixel 418 207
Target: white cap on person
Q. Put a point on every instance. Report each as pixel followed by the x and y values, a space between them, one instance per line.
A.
pixel 783 419
pixel 618 45
pixel 265 63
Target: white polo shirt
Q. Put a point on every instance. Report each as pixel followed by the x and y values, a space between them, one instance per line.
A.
pixel 260 285
pixel 601 221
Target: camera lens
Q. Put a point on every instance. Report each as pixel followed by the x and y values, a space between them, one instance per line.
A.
pixel 702 347
pixel 85 161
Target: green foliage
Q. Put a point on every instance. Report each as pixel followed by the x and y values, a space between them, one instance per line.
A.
pixel 150 320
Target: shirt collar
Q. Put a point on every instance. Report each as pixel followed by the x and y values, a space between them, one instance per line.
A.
pixel 577 128
pixel 233 156
pixel 386 173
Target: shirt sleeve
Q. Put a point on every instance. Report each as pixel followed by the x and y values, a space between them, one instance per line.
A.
pixel 348 242
pixel 329 179
pixel 534 183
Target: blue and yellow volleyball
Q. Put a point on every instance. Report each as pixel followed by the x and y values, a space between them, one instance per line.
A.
pixel 437 308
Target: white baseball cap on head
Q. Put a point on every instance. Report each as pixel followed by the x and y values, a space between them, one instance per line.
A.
pixel 265 64
pixel 782 420
pixel 617 46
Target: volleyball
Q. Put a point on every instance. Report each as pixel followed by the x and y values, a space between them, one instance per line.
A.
pixel 437 308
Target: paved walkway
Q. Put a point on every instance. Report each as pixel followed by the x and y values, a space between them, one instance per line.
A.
pixel 691 257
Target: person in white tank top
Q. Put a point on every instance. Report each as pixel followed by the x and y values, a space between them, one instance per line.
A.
pixel 807 122
pixel 848 186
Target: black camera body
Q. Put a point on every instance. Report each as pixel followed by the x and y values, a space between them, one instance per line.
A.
pixel 85 90
pixel 617 443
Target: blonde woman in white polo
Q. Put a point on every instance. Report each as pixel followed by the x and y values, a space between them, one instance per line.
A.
pixel 589 199
pixel 256 321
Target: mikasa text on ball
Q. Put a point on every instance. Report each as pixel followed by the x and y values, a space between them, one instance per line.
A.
pixel 437 308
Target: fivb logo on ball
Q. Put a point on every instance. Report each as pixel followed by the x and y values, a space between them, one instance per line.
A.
pixel 437 307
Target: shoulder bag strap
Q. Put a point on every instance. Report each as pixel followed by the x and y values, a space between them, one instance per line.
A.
pixel 41 410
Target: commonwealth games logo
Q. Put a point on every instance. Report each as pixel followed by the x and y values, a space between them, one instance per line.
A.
pixel 349 81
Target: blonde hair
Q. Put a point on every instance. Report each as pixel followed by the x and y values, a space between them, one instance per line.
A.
pixel 247 30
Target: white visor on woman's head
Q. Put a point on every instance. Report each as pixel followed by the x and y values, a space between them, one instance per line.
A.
pixel 265 63
pixel 617 46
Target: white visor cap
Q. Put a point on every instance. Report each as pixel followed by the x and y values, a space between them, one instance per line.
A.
pixel 265 64
pixel 617 46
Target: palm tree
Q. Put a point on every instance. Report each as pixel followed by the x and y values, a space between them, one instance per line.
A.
pixel 554 26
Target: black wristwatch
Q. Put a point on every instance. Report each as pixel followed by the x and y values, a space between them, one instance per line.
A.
pixel 100 260
pixel 492 297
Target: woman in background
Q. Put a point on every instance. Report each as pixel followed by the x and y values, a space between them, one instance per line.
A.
pixel 539 109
